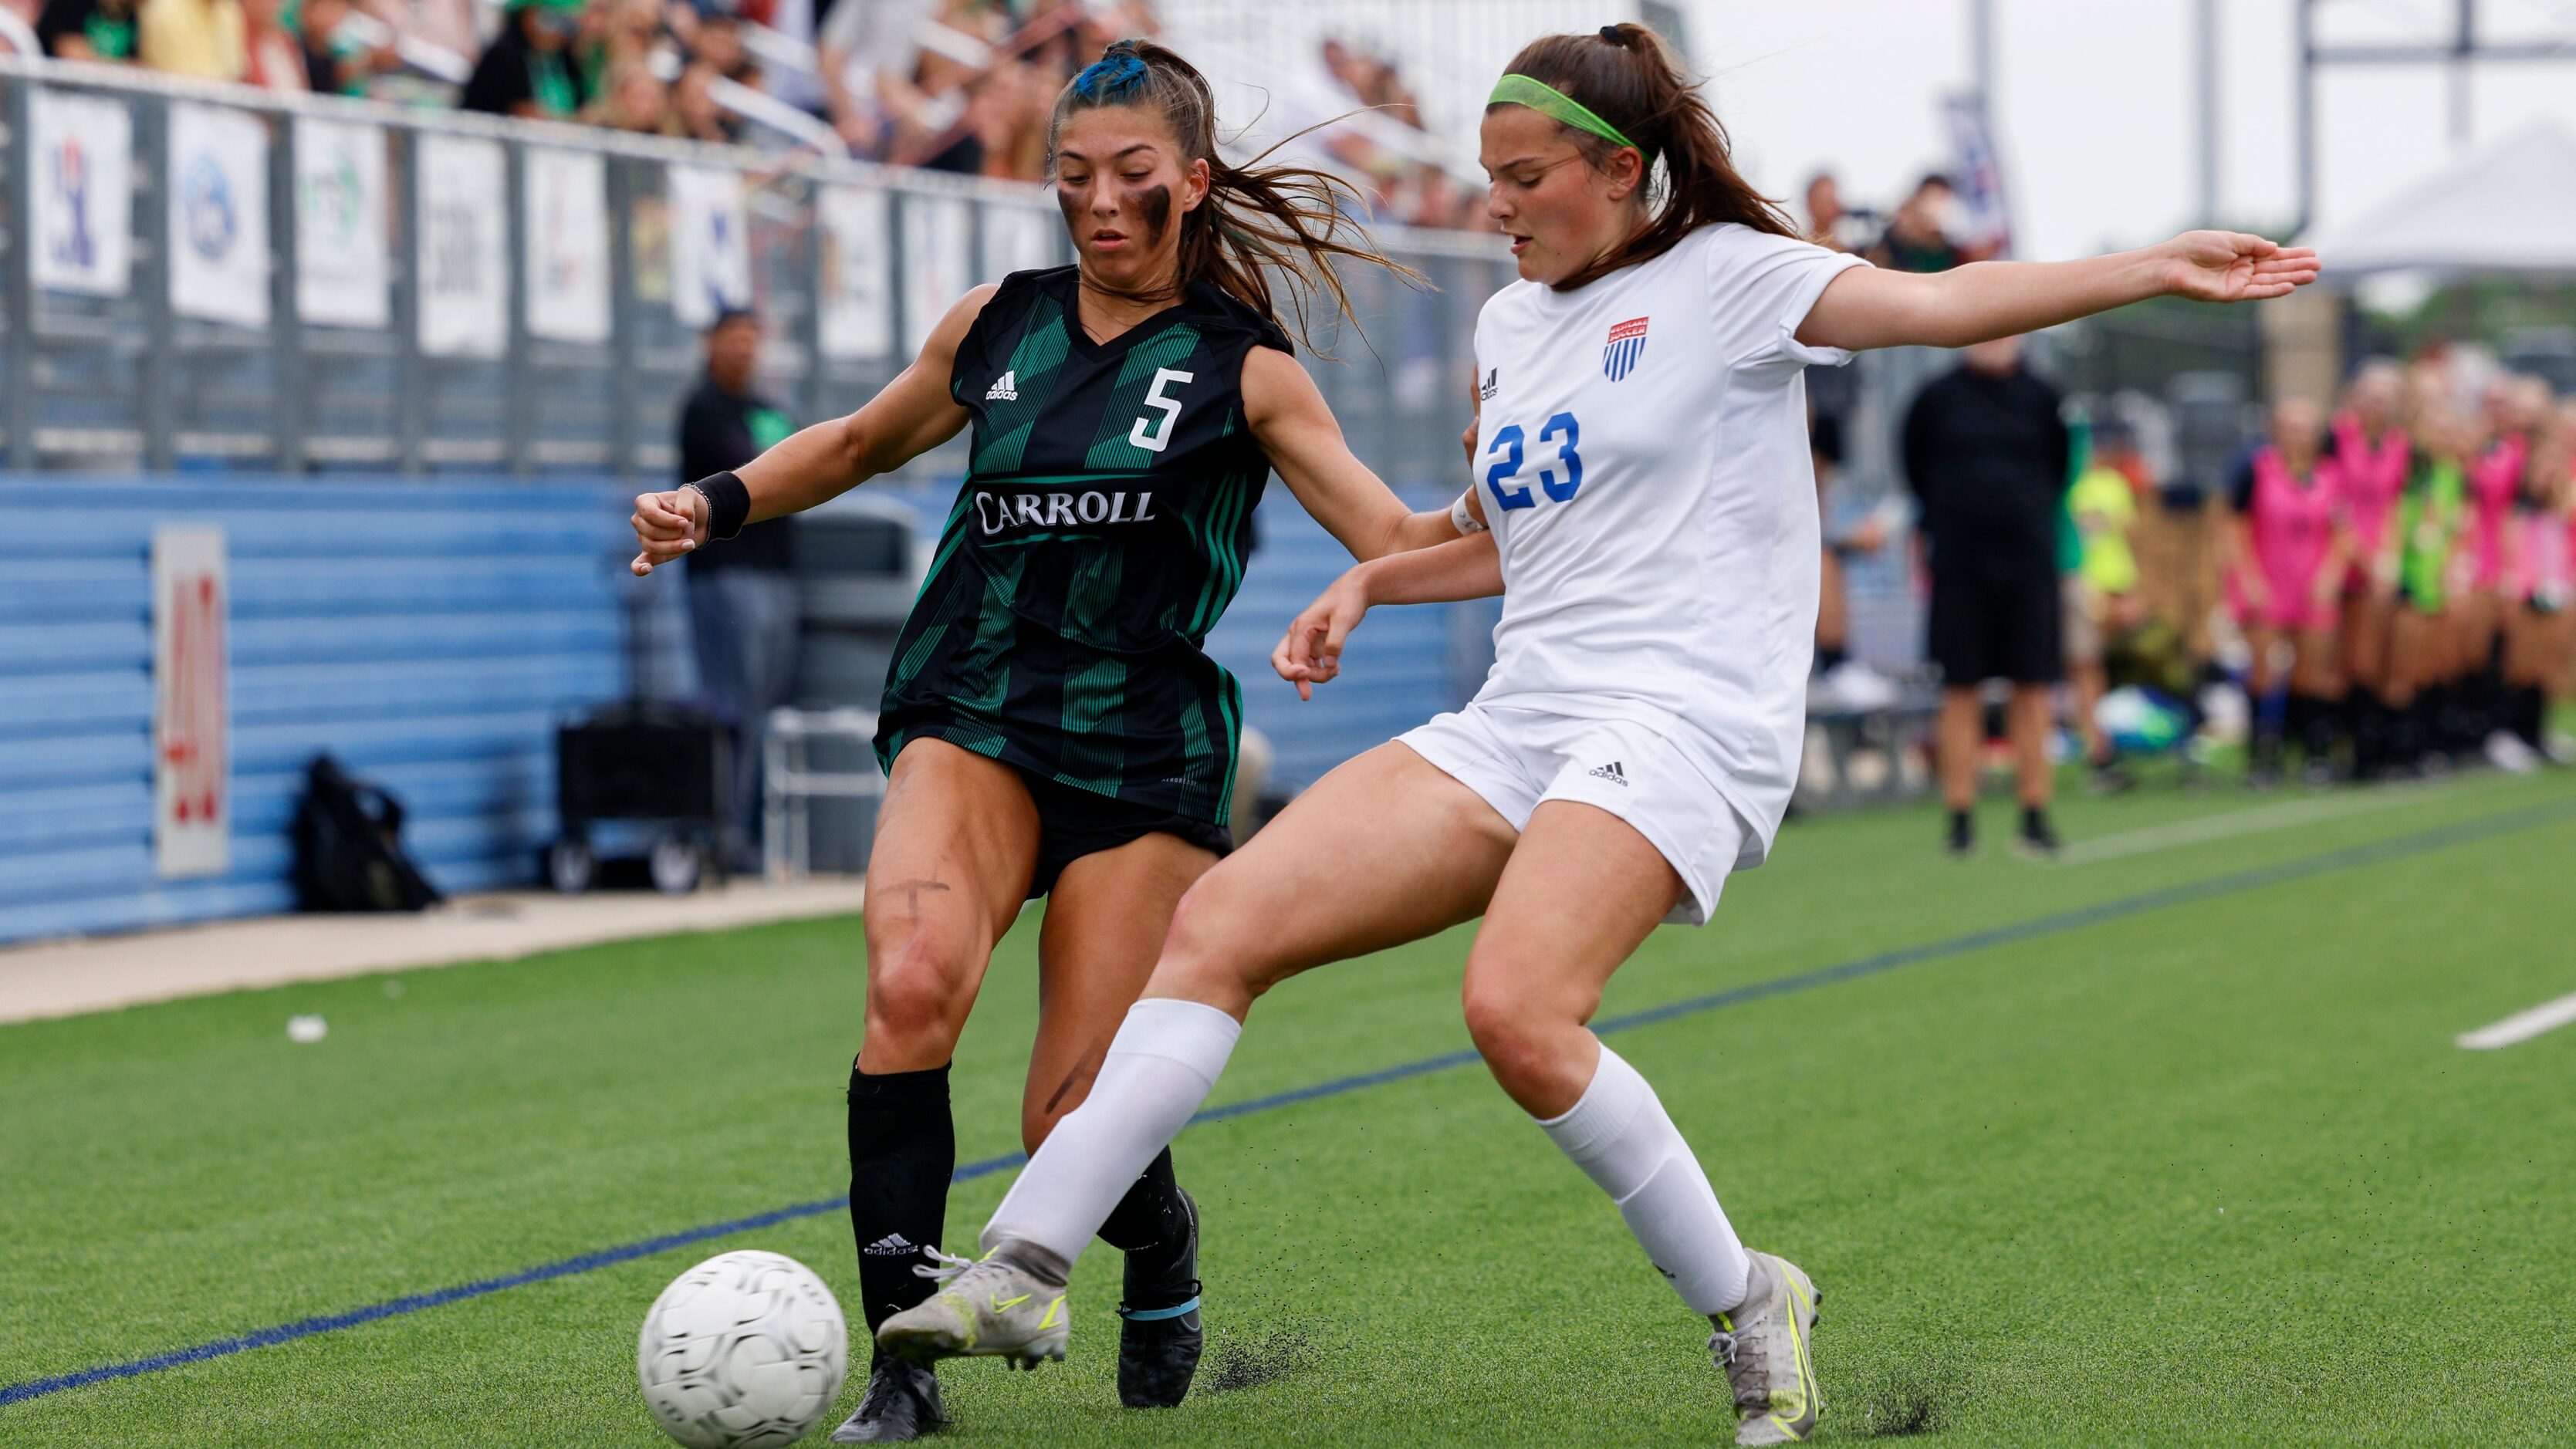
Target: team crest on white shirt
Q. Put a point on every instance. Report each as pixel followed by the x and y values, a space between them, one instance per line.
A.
pixel 1627 341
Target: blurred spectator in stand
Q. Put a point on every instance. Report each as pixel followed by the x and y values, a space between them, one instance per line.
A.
pixel 201 38
pixel 450 25
pixel 274 56
pixel 1918 236
pixel 743 610
pixel 619 36
pixel 635 100
pixel 338 58
pixel 694 109
pixel 528 71
pixel 1987 454
pixel 101 30
pixel 866 51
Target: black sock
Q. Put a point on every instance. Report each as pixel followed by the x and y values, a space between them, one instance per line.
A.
pixel 903 1150
pixel 2530 709
pixel 2034 820
pixel 2315 725
pixel 1961 826
pixel 1829 657
pixel 1151 1227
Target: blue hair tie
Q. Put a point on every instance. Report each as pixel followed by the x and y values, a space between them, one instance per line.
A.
pixel 1109 76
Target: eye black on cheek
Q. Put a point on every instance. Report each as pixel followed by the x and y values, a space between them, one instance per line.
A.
pixel 1068 199
pixel 1154 203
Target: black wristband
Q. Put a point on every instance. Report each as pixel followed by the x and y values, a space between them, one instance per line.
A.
pixel 728 503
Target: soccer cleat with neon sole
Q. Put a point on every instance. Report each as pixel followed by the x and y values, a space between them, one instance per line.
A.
pixel 988 1307
pixel 1766 1346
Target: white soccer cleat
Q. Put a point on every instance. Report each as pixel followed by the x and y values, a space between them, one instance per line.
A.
pixel 986 1307
pixel 1766 1347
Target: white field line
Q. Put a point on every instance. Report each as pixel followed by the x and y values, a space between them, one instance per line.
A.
pixel 2200 830
pixel 2522 1025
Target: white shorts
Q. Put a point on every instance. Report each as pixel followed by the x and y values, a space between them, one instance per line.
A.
pixel 1515 758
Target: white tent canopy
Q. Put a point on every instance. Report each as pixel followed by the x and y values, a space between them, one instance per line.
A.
pixel 2510 209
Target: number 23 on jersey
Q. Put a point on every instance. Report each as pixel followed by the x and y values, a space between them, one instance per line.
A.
pixel 1559 478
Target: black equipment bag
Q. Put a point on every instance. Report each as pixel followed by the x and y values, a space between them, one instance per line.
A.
pixel 348 847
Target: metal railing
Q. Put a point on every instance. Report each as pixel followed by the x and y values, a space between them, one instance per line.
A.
pixel 849 265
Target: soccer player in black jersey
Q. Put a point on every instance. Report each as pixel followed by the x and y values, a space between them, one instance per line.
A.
pixel 1051 724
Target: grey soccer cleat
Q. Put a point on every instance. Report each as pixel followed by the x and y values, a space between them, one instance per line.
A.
pixel 901 1405
pixel 988 1307
pixel 1766 1347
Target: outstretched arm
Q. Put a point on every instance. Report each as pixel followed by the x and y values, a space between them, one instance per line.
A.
pixel 1290 420
pixel 1311 651
pixel 913 415
pixel 1870 307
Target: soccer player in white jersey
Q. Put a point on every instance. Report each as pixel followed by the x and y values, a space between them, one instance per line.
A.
pixel 1641 459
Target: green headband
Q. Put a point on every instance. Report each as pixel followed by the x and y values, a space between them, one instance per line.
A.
pixel 1547 100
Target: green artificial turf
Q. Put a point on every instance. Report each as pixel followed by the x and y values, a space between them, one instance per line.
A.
pixel 2205 1172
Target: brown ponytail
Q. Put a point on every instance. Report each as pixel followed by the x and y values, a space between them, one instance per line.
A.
pixel 1256 219
pixel 1626 75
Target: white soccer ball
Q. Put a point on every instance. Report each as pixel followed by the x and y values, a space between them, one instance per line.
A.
pixel 744 1351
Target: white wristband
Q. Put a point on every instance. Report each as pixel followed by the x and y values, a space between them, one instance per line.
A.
pixel 1464 517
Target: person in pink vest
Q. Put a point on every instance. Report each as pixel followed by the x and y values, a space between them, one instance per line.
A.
pixel 2371 454
pixel 2540 585
pixel 2285 582
pixel 2518 410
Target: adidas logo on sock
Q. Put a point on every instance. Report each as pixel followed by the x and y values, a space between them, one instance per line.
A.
pixel 1612 773
pixel 1006 388
pixel 892 1245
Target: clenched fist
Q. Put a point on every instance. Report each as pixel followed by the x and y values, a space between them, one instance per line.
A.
pixel 668 525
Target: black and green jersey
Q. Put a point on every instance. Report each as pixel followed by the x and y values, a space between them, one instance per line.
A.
pixel 1100 532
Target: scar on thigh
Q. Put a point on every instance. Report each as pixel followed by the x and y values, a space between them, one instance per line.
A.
pixel 1082 1075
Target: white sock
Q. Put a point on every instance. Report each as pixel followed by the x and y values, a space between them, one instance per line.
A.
pixel 1621 1138
pixel 1160 1067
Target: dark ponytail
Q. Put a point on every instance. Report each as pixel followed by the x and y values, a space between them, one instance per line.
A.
pixel 1626 75
pixel 1256 219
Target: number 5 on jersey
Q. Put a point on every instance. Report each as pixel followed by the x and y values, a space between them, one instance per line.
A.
pixel 1154 434
pixel 1559 483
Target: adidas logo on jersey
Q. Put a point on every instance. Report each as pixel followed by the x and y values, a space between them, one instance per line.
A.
pixel 1005 388
pixel 1493 384
pixel 1612 773
pixel 892 1245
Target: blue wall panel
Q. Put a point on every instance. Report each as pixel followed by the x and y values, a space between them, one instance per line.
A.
pixel 430 635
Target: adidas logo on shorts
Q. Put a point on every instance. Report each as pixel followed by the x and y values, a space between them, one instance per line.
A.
pixel 892 1245
pixel 1005 388
pixel 1612 773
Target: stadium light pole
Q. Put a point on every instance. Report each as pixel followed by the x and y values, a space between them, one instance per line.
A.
pixel 2205 54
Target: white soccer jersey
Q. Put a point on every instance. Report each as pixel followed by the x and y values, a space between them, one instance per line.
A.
pixel 1642 447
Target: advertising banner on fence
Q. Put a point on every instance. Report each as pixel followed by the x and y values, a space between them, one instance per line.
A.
pixel 565 249
pixel 341 270
pixel 218 214
pixel 191 756
pixel 855 288
pixel 938 232
pixel 83 193
pixel 463 249
pixel 1017 239
pixel 710 243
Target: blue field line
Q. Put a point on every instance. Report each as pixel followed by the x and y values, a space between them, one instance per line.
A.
pixel 2422 842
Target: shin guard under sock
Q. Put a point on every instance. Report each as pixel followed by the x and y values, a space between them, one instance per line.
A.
pixel 903 1150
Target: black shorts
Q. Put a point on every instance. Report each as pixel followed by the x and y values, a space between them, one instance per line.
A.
pixel 1997 624
pixel 1074 822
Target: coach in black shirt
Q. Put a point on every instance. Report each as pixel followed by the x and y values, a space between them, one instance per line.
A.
pixel 1986 453
pixel 743 609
